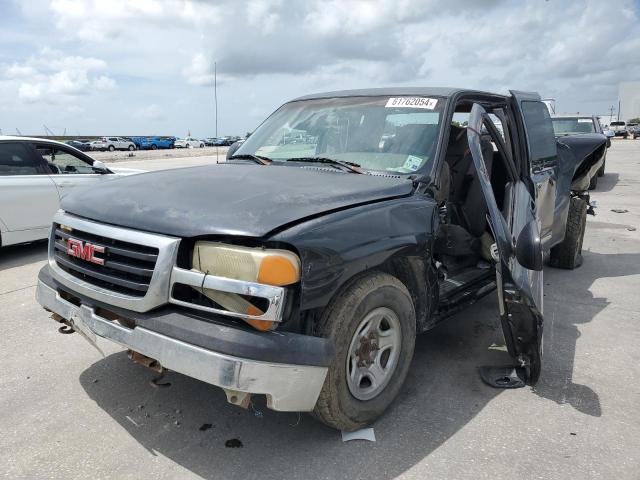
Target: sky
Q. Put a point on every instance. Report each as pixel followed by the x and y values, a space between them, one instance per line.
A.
pixel 142 67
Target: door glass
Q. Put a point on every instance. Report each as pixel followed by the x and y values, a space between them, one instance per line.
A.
pixel 540 135
pixel 62 162
pixel 15 159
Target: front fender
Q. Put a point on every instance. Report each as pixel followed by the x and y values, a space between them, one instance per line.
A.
pixel 336 247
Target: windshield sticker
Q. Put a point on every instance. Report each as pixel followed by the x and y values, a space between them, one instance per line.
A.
pixel 412 102
pixel 584 120
pixel 412 163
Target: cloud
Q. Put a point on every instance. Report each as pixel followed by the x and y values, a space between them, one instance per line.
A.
pixel 199 71
pixel 104 83
pixel 151 112
pixel 99 20
pixel 268 51
pixel 52 77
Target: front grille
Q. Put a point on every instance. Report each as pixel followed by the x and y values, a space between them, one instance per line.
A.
pixel 127 269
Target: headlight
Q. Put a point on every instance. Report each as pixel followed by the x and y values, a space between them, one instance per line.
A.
pixel 271 267
pixel 267 266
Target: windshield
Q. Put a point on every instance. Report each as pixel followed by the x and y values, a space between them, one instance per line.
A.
pixel 390 134
pixel 570 126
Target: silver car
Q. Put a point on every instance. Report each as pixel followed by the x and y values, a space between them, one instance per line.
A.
pixel 113 143
pixel 34 175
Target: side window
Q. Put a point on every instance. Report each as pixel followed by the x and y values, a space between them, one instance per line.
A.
pixel 540 135
pixel 16 159
pixel 63 162
pixel 113 139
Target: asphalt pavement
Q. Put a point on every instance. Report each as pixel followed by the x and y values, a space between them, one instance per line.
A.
pixel 67 412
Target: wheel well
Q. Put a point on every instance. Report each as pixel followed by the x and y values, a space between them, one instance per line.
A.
pixel 415 273
pixel 420 278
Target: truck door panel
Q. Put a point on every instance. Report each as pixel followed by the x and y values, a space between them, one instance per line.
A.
pixel 520 292
pixel 540 151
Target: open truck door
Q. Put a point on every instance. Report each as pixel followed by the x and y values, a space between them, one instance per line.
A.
pixel 518 256
pixel 539 148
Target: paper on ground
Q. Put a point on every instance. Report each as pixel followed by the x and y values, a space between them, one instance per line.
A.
pixel 363 434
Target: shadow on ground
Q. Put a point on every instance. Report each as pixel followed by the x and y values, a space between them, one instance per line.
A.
pixel 607 182
pixel 190 421
pixel 19 255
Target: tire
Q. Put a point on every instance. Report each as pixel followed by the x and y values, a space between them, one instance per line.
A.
pixel 154 146
pixel 593 183
pixel 111 148
pixel 372 295
pixel 568 254
pixel 202 145
pixel 131 148
pixel 601 170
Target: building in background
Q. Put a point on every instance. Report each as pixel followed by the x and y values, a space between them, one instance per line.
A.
pixel 629 98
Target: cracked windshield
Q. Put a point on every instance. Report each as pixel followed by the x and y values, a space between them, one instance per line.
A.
pixel 383 134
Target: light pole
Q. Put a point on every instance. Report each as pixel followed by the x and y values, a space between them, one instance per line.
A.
pixel 215 92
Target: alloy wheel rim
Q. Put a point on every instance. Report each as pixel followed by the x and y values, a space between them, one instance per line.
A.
pixel 373 353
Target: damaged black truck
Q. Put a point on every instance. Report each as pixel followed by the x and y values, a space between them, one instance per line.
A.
pixel 303 267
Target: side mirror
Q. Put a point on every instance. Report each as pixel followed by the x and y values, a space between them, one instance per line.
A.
pixel 99 167
pixel 529 247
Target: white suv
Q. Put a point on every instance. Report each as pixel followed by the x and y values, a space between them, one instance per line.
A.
pixel 113 143
pixel 189 142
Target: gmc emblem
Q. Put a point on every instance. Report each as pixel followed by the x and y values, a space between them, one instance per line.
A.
pixel 84 251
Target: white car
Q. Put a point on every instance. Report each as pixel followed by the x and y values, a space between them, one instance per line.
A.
pixel 189 142
pixel 34 175
pixel 113 143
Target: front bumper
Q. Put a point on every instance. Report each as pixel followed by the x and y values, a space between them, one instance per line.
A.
pixel 185 346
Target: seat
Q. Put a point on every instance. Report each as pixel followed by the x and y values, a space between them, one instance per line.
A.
pixel 470 207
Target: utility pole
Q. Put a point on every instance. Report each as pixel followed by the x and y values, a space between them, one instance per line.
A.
pixel 618 110
pixel 215 102
pixel 215 92
pixel 611 113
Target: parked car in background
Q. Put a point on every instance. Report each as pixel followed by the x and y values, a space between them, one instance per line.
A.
pixel 582 125
pixel 634 130
pixel 81 145
pixel 225 141
pixel 154 143
pixel 188 142
pixel 303 272
pixel 113 143
pixel 34 175
pixel 210 141
pixel 619 129
pixel 608 132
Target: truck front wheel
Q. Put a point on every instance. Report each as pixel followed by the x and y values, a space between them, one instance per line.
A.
pixel 373 325
pixel 568 254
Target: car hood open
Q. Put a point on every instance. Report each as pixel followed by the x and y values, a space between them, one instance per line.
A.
pixel 228 199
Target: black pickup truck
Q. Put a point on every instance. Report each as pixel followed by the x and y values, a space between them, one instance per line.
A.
pixel 303 267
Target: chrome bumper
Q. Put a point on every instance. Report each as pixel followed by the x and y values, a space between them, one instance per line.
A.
pixel 287 387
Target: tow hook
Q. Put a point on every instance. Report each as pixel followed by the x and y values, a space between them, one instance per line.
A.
pixel 152 364
pixel 591 208
pixel 66 328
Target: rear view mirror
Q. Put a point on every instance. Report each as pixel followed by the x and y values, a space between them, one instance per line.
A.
pixel 529 247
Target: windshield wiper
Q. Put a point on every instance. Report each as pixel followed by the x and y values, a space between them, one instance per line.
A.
pixel 350 166
pixel 259 159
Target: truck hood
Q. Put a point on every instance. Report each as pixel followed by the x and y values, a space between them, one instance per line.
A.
pixel 228 199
